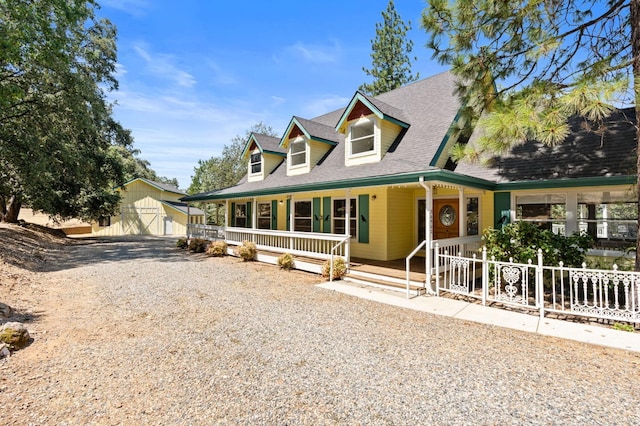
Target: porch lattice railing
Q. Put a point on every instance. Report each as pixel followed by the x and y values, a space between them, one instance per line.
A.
pixel 596 293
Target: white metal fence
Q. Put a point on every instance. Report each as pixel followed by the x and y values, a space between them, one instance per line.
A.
pixel 596 293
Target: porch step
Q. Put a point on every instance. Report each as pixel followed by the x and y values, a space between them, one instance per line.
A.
pixel 381 281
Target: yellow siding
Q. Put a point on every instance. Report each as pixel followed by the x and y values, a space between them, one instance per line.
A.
pixel 141 212
pixel 271 162
pixel 402 208
pixel 390 132
pixel 486 211
pixel 318 151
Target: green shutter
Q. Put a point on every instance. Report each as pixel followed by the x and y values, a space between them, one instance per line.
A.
pixel 233 214
pixel 249 212
pixel 274 214
pixel 326 215
pixel 288 215
pixel 363 218
pixel 501 209
pixel 317 216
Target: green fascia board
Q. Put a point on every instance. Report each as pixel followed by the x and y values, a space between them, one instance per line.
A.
pixel 293 122
pixel 248 144
pixel 567 183
pixel 327 141
pixel 413 177
pixel 281 154
pixel 359 97
pixel 445 140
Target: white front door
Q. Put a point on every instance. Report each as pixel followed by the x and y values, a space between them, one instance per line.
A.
pixel 168 225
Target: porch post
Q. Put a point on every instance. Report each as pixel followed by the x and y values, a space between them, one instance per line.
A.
pixel 347 225
pixel 571 220
pixel 292 224
pixel 254 213
pixel 188 218
pixel 462 221
pixel 428 234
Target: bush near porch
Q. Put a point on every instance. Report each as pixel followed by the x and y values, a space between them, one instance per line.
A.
pixel 520 242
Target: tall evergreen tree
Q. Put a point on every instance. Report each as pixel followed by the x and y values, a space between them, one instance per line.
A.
pixel 526 66
pixel 390 54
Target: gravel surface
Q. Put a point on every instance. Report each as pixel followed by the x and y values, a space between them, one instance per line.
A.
pixel 139 332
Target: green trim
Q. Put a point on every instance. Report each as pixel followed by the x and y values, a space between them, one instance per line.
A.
pixel 280 154
pixel 247 144
pixel 288 130
pixel 274 214
pixel 326 215
pixel 445 140
pixel 401 178
pixel 249 215
pixel 233 214
pixel 363 218
pixel 567 183
pixel 321 140
pixel 317 216
pixel 501 207
pixel 360 97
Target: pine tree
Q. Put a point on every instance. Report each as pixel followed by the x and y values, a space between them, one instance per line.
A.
pixel 526 66
pixel 390 53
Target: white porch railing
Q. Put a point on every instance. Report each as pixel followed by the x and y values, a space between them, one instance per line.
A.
pixel 208 232
pixel 596 293
pixel 310 244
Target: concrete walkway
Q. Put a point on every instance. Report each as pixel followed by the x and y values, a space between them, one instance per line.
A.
pixel 586 333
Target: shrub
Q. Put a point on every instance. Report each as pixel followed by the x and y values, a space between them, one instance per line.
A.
pixel 286 261
pixel 217 249
pixel 198 245
pixel 248 250
pixel 623 327
pixel 182 243
pixel 521 241
pixel 339 268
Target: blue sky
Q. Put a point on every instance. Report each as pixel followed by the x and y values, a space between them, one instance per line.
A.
pixel 194 74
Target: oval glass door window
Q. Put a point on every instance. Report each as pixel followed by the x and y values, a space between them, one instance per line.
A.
pixel 447 215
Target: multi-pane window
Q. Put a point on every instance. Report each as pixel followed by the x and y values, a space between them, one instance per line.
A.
pixel 256 163
pixel 609 217
pixel 340 217
pixel 545 210
pixel 264 216
pixel 241 215
pixel 302 216
pixel 472 216
pixel 361 137
pixel 298 152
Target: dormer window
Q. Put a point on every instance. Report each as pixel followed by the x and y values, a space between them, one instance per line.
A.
pixel 298 152
pixel 362 137
pixel 256 163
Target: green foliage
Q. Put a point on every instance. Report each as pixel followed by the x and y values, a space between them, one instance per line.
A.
pixel 57 132
pixel 217 249
pixel 182 243
pixel 227 169
pixel 339 268
pixel 623 327
pixel 286 261
pixel 390 50
pixel 198 245
pixel 520 241
pixel 248 251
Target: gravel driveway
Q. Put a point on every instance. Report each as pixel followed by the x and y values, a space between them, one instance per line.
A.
pixel 135 331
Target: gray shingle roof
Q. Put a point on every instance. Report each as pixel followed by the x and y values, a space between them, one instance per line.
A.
pixel 269 143
pixel 183 207
pixel 320 131
pixel 388 110
pixel 583 154
pixel 430 107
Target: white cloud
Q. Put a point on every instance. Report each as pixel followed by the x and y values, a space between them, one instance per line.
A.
pixel 162 65
pixel 316 53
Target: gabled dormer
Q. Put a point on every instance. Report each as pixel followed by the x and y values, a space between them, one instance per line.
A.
pixel 307 142
pixel 370 128
pixel 263 154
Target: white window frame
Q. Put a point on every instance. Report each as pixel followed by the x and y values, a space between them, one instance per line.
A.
pixel 252 163
pixel 296 218
pixel 362 122
pixel 261 217
pixel 299 141
pixel 353 218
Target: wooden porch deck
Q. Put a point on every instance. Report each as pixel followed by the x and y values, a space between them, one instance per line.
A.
pixel 391 268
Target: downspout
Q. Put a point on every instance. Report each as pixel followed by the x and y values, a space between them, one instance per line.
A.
pixel 428 232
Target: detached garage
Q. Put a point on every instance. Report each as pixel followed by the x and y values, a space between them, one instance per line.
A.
pixel 149 208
